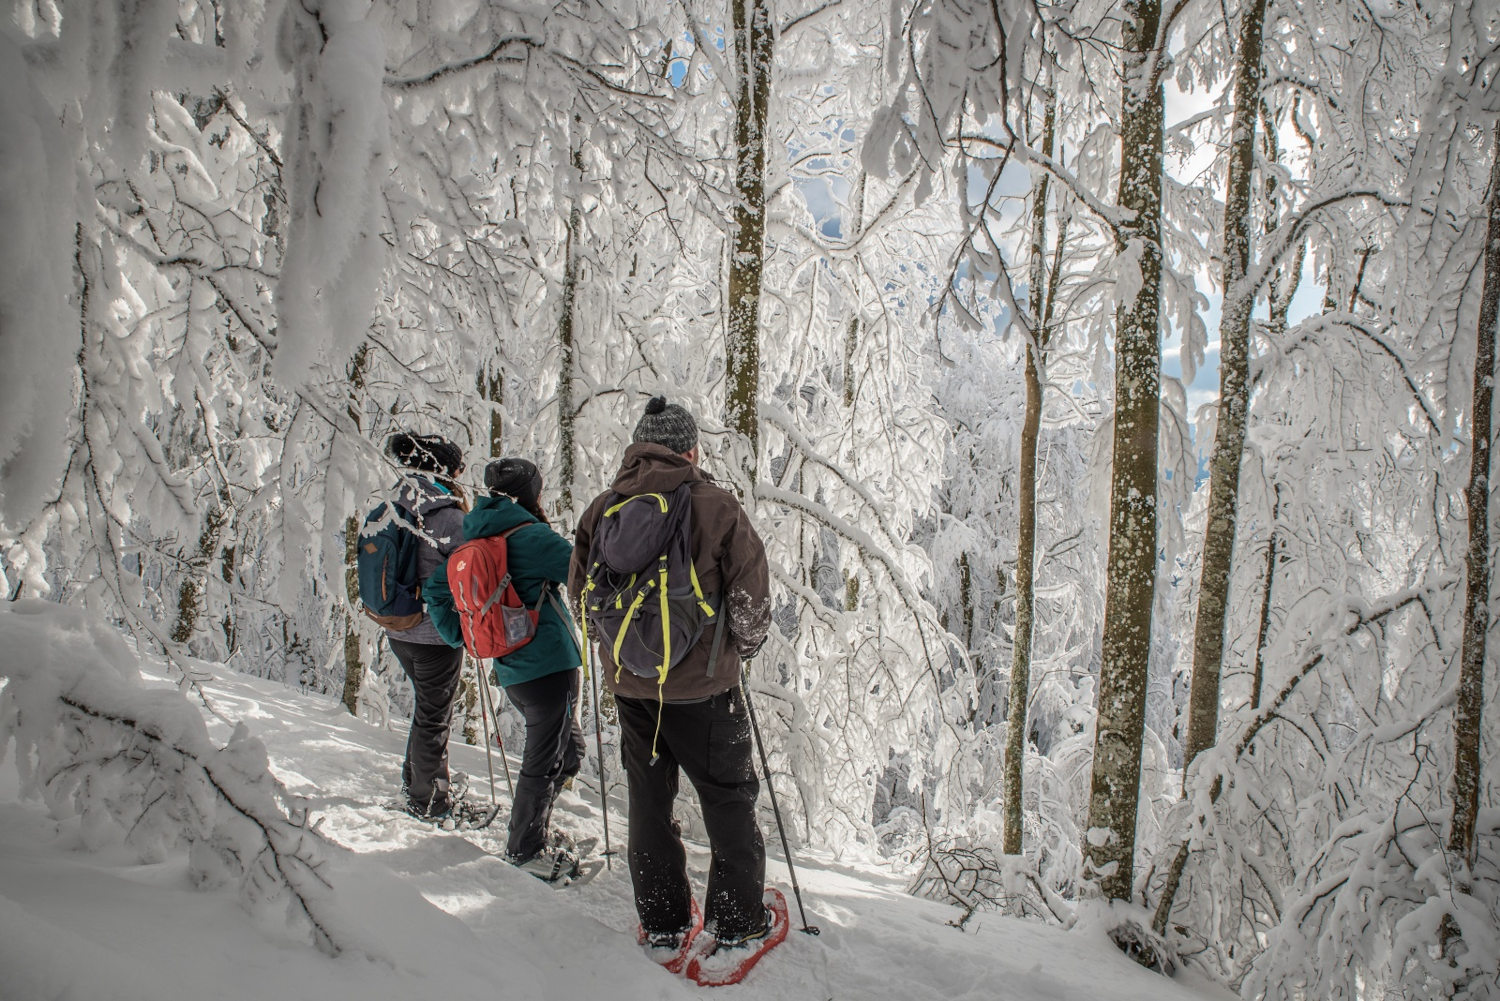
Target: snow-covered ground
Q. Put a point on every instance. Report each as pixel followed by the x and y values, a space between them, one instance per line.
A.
pixel 437 915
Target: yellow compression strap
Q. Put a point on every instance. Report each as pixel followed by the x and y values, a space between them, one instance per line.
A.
pixel 666 656
pixel 708 609
pixel 629 615
pixel 666 631
pixel 660 500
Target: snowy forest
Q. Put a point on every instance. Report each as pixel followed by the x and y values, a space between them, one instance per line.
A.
pixel 1111 383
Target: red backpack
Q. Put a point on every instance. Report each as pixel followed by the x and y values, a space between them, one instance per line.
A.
pixel 494 620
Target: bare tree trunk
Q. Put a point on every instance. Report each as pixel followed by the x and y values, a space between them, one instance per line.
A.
pixel 354 668
pixel 966 599
pixel 1234 375
pixel 468 698
pixel 190 593
pixel 565 414
pixel 1273 547
pixel 1229 434
pixel 1283 288
pixel 1468 731
pixel 491 386
pixel 852 333
pixel 1109 839
pixel 1020 667
pixel 752 55
pixel 492 390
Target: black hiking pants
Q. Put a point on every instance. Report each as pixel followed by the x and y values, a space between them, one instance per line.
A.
pixel 553 754
pixel 710 741
pixel 434 670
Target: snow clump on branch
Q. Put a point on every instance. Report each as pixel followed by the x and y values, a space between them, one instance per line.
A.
pixel 118 763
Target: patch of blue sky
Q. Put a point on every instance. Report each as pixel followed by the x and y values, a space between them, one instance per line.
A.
pixel 677 67
pixel 825 198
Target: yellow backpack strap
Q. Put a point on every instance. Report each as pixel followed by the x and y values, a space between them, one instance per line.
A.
pixel 708 610
pixel 614 508
pixel 625 625
pixel 666 630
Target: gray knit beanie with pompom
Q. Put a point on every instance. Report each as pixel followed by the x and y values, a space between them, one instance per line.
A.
pixel 667 424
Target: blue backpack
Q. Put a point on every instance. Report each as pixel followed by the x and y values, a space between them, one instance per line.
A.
pixel 386 559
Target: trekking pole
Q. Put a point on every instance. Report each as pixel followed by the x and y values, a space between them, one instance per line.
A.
pixel 484 691
pixel 765 766
pixel 599 752
pixel 489 760
pixel 583 653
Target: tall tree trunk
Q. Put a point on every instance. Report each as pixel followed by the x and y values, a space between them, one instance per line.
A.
pixel 852 332
pixel 966 599
pixel 1273 547
pixel 190 593
pixel 565 415
pixel 1109 840
pixel 354 668
pixel 1283 288
pixel 1229 434
pixel 1020 666
pixel 468 698
pixel 1234 374
pixel 1467 731
pixel 491 386
pixel 752 55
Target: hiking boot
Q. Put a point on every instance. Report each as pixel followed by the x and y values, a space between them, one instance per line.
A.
pixel 728 959
pixel 743 941
pixel 672 949
pixel 549 865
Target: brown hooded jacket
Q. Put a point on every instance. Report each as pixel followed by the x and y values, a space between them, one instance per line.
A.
pixel 728 556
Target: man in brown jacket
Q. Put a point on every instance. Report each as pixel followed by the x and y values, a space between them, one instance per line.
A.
pixel 694 719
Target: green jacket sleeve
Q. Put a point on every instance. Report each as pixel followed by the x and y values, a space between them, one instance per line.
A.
pixel 439 599
pixel 553 556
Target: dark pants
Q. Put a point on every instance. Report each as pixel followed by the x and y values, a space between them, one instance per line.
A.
pixel 434 670
pixel 554 753
pixel 710 741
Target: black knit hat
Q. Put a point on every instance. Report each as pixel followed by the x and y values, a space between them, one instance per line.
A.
pixel 429 453
pixel 667 424
pixel 516 478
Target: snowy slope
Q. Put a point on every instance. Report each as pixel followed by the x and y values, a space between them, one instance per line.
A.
pixel 437 916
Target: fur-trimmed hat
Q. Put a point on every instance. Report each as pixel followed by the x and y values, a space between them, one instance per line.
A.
pixel 667 424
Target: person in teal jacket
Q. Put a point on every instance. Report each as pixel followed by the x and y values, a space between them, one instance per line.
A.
pixel 542 678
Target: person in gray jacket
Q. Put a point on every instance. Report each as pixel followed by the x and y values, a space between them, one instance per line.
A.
pixel 431 496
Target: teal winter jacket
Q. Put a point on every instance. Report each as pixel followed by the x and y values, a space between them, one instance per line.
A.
pixel 538 559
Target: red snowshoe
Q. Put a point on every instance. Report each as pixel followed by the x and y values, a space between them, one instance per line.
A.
pixel 723 964
pixel 672 950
